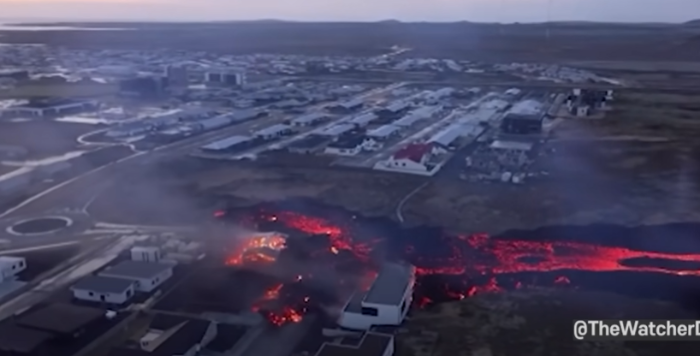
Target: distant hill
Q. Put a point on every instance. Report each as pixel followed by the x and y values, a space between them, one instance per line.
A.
pixel 692 23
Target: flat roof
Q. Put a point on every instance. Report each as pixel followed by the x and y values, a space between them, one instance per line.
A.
pixel 226 143
pixel 17 339
pixel 511 145
pixel 100 284
pixel 355 303
pixel 272 130
pixel 60 318
pixel 135 269
pixel 390 285
pixel 371 344
pixel 383 131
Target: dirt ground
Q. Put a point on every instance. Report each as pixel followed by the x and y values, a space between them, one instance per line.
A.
pixel 43 138
pixel 533 322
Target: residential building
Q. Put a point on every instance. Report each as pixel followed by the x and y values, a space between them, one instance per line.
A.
pixel 413 158
pixel 522 124
pixel 110 290
pixel 11 267
pixel 229 143
pixel 364 119
pixel 273 132
pixel 169 335
pixel 350 146
pixel 308 145
pixel 177 75
pixel 385 303
pixel 145 253
pixel 370 344
pixel 147 275
pixel 384 132
pixel 309 119
pixel 347 106
pixel 335 130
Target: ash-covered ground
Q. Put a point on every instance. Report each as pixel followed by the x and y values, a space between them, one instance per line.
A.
pixel 314 257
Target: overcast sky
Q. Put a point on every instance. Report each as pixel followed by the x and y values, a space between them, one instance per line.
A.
pixel 358 10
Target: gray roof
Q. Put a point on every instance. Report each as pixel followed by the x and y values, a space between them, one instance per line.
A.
pixel 447 135
pixel 390 285
pixel 100 284
pixel 383 131
pixel 309 118
pixel 135 269
pixel 511 145
pixel 226 143
pixel 272 130
pixel 364 119
pixel 407 120
pixel 336 130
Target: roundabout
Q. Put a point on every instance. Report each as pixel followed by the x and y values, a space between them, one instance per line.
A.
pixel 39 226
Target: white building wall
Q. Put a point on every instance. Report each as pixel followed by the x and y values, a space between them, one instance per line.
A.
pixel 145 254
pixel 113 298
pixel 343 151
pixel 11 266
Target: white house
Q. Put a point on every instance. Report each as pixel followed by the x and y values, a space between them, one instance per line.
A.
pixel 104 289
pixel 413 159
pixel 11 266
pixel 386 302
pixel 145 253
pixel 370 344
pixel 146 275
pixel 351 146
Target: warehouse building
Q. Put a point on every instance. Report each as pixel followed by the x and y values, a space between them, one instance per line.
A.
pixel 107 290
pixel 336 130
pixel 522 124
pixel 273 132
pixel 385 303
pixel 229 143
pixel 42 108
pixel 364 119
pixel 309 119
pixel 308 145
pixel 370 344
pixel 147 275
pixel 384 132
pixel 225 77
pixel 447 138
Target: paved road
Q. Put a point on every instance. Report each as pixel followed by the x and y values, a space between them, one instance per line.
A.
pixel 68 272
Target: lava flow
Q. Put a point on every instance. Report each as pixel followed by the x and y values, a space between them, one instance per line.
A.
pixel 480 262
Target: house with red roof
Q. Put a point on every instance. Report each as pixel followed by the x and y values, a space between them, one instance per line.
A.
pixel 413 158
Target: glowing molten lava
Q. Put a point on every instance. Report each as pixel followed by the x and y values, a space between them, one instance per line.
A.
pixel 478 261
pixel 257 249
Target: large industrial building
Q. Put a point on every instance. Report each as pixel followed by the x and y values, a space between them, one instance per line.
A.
pixel 385 303
pixel 49 108
pixel 525 117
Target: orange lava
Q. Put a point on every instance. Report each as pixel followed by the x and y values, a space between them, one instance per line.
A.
pixel 253 250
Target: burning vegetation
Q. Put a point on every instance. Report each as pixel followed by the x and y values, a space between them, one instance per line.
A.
pixel 340 261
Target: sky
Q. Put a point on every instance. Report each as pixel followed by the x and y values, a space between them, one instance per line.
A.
pixel 353 10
